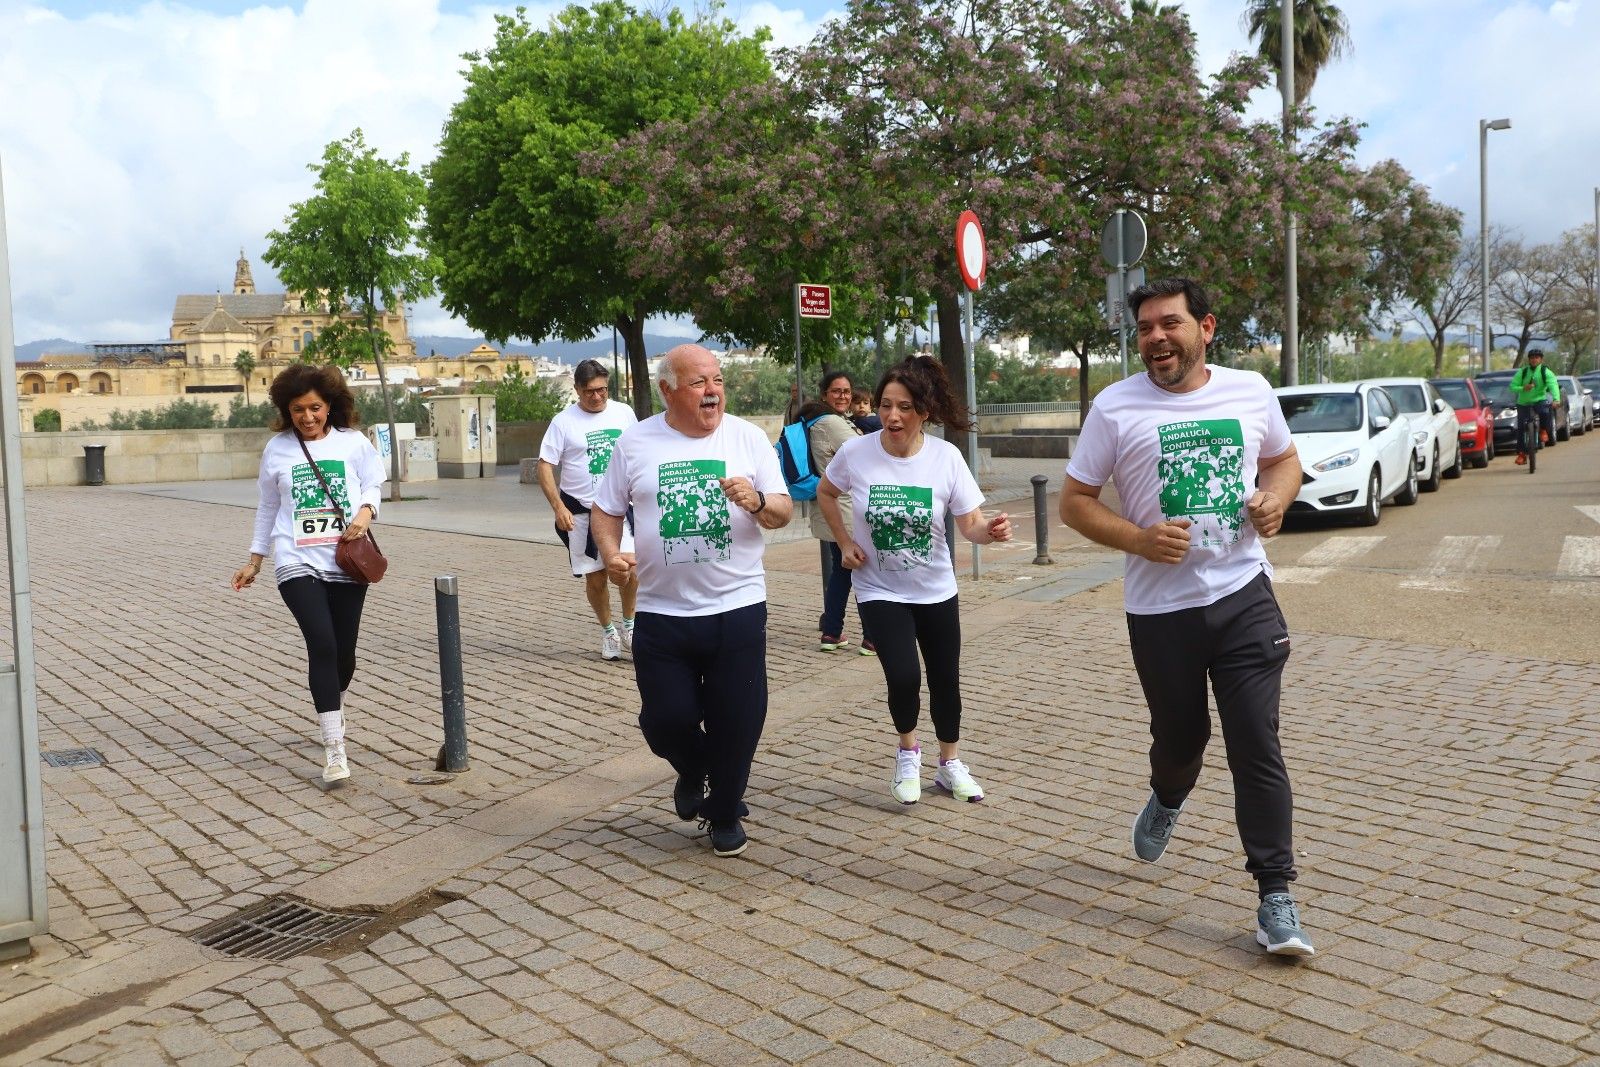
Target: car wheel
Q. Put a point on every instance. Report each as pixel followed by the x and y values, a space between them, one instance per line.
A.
pixel 1370 514
pixel 1407 495
pixel 1481 460
pixel 1454 470
pixel 1564 433
pixel 1488 450
pixel 1431 485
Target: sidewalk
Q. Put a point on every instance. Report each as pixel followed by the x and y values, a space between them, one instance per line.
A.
pixel 553 910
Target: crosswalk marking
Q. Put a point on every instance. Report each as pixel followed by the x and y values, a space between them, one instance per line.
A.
pixel 1580 558
pixel 1591 510
pixel 1450 562
pixel 1316 563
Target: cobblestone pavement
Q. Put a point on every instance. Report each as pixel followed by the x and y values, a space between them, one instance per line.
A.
pixel 1446 812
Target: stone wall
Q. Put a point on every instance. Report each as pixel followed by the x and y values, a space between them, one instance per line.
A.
pixel 77 408
pixel 144 455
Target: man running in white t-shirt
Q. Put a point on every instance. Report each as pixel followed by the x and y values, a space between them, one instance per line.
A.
pixel 1185 444
pixel 702 484
pixel 573 457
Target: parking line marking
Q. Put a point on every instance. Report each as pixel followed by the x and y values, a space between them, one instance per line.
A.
pixel 1453 558
pixel 1315 564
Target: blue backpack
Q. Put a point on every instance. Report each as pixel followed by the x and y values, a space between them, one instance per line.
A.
pixel 794 459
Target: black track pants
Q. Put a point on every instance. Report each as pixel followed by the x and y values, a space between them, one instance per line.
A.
pixel 1242 643
pixel 329 614
pixel 898 630
pixel 703 692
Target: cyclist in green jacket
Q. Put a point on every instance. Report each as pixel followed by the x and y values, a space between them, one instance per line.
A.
pixel 1536 392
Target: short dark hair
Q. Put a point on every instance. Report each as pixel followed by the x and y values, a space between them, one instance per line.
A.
pixel 1193 295
pixel 833 376
pixel 588 371
pixel 1535 352
pixel 298 379
pixel 931 393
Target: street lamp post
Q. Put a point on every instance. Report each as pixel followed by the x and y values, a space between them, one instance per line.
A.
pixel 1484 126
pixel 1597 277
pixel 1289 359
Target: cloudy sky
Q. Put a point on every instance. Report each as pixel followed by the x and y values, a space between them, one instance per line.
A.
pixel 142 145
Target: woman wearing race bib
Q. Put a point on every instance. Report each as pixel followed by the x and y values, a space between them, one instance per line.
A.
pixel 901 483
pixel 299 526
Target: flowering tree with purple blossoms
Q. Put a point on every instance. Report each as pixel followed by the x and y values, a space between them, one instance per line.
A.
pixel 1041 117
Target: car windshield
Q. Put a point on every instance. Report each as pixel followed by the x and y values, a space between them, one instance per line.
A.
pixel 1407 398
pixel 1496 390
pixel 1456 394
pixel 1321 412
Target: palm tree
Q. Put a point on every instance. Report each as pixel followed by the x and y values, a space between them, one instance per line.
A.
pixel 1321 33
pixel 245 364
pixel 1151 7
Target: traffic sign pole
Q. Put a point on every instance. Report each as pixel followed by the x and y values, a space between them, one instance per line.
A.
pixel 799 388
pixel 1122 283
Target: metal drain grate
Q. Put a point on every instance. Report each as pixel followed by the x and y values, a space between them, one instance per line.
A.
pixel 278 930
pixel 75 757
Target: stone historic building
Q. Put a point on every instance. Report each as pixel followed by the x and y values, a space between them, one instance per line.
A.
pixel 200 353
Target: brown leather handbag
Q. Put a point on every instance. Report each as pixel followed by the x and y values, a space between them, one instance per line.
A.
pixel 361 558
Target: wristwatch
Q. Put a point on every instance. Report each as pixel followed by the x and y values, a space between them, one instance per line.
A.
pixel 761 502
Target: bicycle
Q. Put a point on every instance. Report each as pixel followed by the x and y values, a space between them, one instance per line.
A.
pixel 1530 443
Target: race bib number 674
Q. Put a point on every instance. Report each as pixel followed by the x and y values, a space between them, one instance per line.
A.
pixel 316 526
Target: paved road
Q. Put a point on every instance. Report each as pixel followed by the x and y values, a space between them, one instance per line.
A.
pixel 1446 805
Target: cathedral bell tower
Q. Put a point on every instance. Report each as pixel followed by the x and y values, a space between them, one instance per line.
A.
pixel 242 282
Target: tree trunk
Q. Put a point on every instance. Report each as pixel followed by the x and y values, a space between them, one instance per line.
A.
pixel 631 327
pixel 1083 385
pixel 388 403
pixel 953 354
pixel 1438 353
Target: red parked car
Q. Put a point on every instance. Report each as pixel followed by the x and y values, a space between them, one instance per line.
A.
pixel 1474 416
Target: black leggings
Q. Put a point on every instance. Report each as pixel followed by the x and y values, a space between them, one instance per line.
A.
pixel 898 630
pixel 329 614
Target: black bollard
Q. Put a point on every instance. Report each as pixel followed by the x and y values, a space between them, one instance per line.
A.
pixel 453 753
pixel 1041 521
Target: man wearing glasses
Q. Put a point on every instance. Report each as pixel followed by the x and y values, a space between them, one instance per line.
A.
pixel 576 452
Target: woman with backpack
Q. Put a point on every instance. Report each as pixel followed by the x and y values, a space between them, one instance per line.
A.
pixel 901 483
pixel 831 429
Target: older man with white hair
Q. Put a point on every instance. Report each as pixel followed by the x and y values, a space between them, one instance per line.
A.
pixel 703 484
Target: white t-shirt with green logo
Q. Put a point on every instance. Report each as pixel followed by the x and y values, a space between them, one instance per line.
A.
pixel 698 554
pixel 579 443
pixel 1185 455
pixel 295 524
pixel 898 508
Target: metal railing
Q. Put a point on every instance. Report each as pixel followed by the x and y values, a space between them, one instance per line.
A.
pixel 1065 407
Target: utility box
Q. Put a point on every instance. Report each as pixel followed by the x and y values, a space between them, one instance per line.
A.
pixel 463 427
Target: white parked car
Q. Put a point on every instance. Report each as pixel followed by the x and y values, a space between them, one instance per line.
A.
pixel 1580 405
pixel 1355 449
pixel 1434 428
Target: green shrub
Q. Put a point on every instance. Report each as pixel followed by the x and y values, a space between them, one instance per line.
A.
pixel 519 398
pixel 47 421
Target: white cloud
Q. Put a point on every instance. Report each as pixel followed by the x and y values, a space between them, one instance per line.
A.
pixel 141 149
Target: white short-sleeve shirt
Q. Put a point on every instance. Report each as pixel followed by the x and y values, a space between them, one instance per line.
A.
pixel 578 444
pixel 1185 455
pixel 698 553
pixel 898 506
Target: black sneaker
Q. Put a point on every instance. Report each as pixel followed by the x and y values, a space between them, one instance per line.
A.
pixel 727 838
pixel 688 794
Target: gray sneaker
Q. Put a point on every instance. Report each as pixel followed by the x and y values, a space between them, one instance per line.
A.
pixel 1153 829
pixel 1278 927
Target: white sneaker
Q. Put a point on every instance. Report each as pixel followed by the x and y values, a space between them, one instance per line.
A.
pixel 610 644
pixel 954 778
pixel 626 633
pixel 335 767
pixel 907 787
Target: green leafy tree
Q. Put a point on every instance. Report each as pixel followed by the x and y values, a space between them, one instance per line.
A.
pixel 1453 299
pixel 521 398
pixel 245 364
pixel 1059 309
pixel 353 244
pixel 513 218
pixel 757 386
pixel 1321 34
pixel 248 416
pixel 47 421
